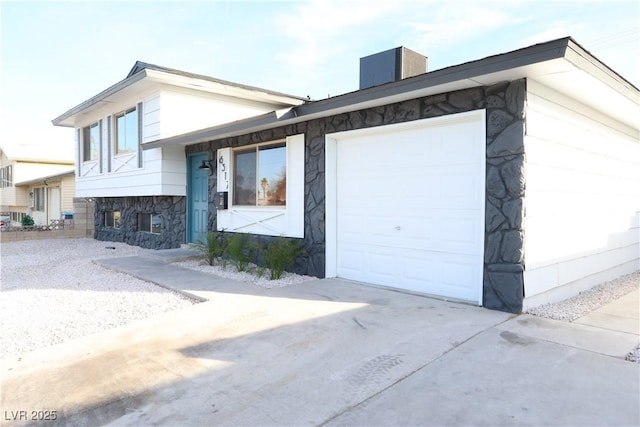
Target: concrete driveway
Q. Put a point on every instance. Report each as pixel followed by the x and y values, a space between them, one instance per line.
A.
pixel 329 352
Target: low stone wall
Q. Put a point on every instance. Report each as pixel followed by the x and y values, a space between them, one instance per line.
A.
pixel 81 226
pixel 17 234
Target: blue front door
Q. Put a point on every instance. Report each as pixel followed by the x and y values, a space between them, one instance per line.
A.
pixel 198 198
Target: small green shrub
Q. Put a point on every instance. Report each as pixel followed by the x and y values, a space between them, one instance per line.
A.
pixel 27 221
pixel 240 251
pixel 211 246
pixel 280 254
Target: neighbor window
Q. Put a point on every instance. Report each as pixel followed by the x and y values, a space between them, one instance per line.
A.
pixel 91 142
pixel 38 199
pixel 112 219
pixel 17 216
pixel 260 176
pixel 6 176
pixel 149 223
pixel 127 131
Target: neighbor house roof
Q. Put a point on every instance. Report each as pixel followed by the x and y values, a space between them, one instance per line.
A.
pixel 37 153
pixel 143 74
pixel 44 179
pixel 560 64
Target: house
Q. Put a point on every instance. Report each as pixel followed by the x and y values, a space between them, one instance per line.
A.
pixel 508 182
pixel 36 181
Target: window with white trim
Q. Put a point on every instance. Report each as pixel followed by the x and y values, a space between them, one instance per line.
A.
pixel 126 131
pixel 91 140
pixel 149 223
pixel 266 188
pixel 260 176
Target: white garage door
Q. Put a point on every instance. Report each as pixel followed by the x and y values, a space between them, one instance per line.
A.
pixel 410 206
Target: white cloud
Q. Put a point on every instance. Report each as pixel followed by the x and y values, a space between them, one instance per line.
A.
pixel 455 23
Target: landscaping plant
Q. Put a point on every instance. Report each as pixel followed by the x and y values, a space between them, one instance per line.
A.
pixel 27 221
pixel 280 254
pixel 211 246
pixel 239 251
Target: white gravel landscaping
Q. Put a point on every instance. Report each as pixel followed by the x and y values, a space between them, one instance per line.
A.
pixel 585 302
pixel 53 292
pixel 228 271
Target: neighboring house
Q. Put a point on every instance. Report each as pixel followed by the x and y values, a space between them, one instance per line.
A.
pixel 50 197
pixel 508 182
pixel 35 181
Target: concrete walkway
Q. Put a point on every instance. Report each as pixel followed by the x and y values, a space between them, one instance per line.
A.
pixel 331 352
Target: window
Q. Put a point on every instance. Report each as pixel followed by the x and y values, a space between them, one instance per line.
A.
pixel 266 186
pixel 38 199
pixel 17 216
pixel 112 219
pixel 6 176
pixel 127 131
pixel 91 142
pixel 260 176
pixel 149 223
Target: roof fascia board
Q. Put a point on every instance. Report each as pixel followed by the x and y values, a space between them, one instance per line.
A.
pixel 58 121
pixel 584 60
pixel 186 80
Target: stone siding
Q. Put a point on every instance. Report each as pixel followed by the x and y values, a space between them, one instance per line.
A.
pixel 172 210
pixel 504 103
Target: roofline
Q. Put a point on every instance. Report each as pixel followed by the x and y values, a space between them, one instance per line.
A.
pixel 99 97
pixel 131 79
pixel 413 87
pixel 44 161
pixel 45 178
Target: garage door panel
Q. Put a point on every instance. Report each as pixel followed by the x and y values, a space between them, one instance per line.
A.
pixel 352 261
pixel 410 208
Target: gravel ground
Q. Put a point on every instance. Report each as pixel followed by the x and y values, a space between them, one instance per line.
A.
pixel 231 273
pixel 592 299
pixel 71 296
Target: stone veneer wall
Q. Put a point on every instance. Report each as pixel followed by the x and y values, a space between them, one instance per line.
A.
pixel 504 102
pixel 172 210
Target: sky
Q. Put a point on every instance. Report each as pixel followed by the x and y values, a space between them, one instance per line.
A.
pixel 55 55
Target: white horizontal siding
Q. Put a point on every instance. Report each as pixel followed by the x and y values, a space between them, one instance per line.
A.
pixel 582 197
pixel 165 112
pixel 184 111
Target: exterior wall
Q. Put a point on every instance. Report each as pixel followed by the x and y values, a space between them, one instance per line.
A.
pixel 187 110
pixel 582 197
pixel 162 171
pixel 67 192
pixel 171 209
pixel 504 102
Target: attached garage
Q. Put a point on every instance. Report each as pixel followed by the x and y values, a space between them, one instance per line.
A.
pixel 408 210
pixel 507 182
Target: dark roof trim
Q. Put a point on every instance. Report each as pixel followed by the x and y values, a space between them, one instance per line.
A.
pixel 138 72
pixel 422 85
pixel 140 66
pixel 98 98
